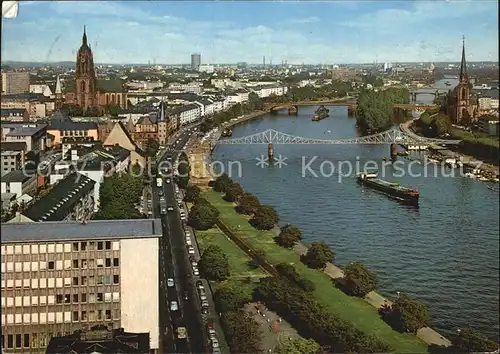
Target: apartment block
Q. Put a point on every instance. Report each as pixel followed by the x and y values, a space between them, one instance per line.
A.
pixel 60 277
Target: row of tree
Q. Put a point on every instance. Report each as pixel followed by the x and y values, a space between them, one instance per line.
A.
pixel 184 170
pixel 435 126
pixel 119 195
pixel 375 111
pixel 335 89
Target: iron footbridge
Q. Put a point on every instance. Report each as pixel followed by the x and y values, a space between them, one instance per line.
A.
pixel 392 136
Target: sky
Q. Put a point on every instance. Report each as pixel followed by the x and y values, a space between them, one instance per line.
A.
pixel 336 32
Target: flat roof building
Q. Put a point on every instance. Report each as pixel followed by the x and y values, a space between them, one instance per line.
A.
pixel 61 277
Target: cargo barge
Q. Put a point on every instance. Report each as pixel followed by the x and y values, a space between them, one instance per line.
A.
pixel 321 113
pixel 391 189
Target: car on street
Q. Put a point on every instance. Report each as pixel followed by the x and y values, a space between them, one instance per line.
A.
pixel 194 264
pixel 203 297
pixel 170 282
pixel 185 296
pixel 181 332
pixel 168 180
pixel 204 303
pixel 201 291
pixel 216 351
pixel 174 306
pixel 160 193
pixel 199 284
pixel 170 209
pixel 215 343
pixel 205 311
pixel 190 250
pixel 196 272
pixel 188 241
pixel 188 233
pixel 183 217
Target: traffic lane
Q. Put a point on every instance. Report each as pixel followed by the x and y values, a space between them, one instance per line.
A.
pixel 191 306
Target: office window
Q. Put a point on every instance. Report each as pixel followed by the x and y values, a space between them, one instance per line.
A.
pixel 67 264
pixel 108 262
pixel 108 314
pixel 18 249
pixel 18 341
pixel 75 247
pixel 43 283
pixel 84 316
pixel 108 245
pixel 99 315
pixel 116 262
pixel 51 317
pixel 116 279
pixel 75 280
pixel 107 279
pixel 83 246
pixel 108 297
pixel 59 265
pixel 91 280
pixel 51 299
pixel 91 264
pixel 116 245
pixel 67 316
pixel 34 300
pixel 83 297
pixel 34 249
pixel 34 283
pixel 75 263
pixel 100 262
pixel 91 298
pixel 34 317
pixel 75 298
pixel 10 301
pixel 51 248
pixel 99 297
pixel 18 283
pixel 75 316
pixel 26 341
pixel 67 281
pixel 10 341
pixel 26 266
pixel 26 249
pixel 26 318
pixel 51 283
pixel 59 282
pixel 43 265
pixel 26 301
pixel 10 319
pixel 26 283
pixel 18 318
pixel 18 301
pixel 84 263
pixel 100 279
pixel 18 267
pixel 67 298
pixel 3 267
pixel 51 265
pixel 92 245
pixel 10 267
pixel 43 248
pixel 84 280
pixel 67 247
pixel 34 266
pixel 59 299
pixel 43 300
pixel 92 316
pixel 10 249
pixel 43 318
pixel 59 247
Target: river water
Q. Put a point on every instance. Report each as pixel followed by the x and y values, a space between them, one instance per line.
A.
pixel 445 253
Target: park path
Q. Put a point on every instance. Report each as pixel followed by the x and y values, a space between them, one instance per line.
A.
pixel 427 334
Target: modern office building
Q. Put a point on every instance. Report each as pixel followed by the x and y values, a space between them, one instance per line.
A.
pixel 62 277
pixel 195 61
pixel 15 82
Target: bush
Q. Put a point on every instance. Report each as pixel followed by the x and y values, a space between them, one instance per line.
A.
pixel 214 264
pixel 222 182
pixel 265 218
pixel 406 314
pixel 359 281
pixel 242 332
pixel 317 255
pixel 248 204
pixel 230 298
pixel 203 215
pixel 288 271
pixel 192 193
pixel 233 192
pixel 289 236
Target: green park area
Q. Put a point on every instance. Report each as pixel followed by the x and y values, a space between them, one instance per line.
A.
pixel 242 270
pixel 354 310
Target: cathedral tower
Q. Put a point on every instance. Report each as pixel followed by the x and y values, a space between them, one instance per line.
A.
pixel 86 95
pixel 462 91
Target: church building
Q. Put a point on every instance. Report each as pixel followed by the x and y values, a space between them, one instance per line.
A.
pixel 459 106
pixel 88 90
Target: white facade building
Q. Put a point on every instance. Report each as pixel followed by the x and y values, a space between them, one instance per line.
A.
pixel 188 113
pixel 58 277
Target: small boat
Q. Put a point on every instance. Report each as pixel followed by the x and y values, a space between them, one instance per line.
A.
pixel 447 83
pixel 320 113
pixel 392 189
pixel 227 132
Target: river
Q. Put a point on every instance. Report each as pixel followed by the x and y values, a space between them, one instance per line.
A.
pixel 446 253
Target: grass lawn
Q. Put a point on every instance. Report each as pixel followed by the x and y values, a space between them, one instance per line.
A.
pixel 241 271
pixel 352 309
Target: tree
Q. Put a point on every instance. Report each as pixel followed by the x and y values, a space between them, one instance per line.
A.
pixel 248 204
pixel 441 125
pixel 192 193
pixel 359 280
pixel 233 192
pixel 93 112
pixel 470 341
pixel 265 218
pixel 298 346
pixel 203 216
pixel 407 315
pixel 72 110
pixel 231 298
pixel 242 332
pixel 288 236
pixel 214 264
pixel 254 102
pixel 113 110
pixel 222 182
pixel 318 255
pixel 152 147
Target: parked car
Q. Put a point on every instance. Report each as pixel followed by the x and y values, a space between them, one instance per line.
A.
pixel 170 209
pixel 205 311
pixel 190 250
pixel 181 332
pixel 204 303
pixel 203 297
pixel 185 296
pixel 199 284
pixel 170 282
pixel 196 272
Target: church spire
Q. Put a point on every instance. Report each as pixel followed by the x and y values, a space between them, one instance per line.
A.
pixel 463 64
pixel 58 86
pixel 84 38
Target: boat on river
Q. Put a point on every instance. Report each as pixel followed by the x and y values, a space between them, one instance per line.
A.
pixel 447 83
pixel 320 113
pixel 392 189
pixel 226 133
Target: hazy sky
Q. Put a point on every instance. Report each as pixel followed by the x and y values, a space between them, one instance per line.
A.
pixel 229 32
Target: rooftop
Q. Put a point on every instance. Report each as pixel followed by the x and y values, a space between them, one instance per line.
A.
pixel 73 230
pixel 61 121
pixel 8 112
pixel 16 176
pixel 27 130
pixel 61 199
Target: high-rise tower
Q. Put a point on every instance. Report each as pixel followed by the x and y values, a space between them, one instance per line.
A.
pixel 86 95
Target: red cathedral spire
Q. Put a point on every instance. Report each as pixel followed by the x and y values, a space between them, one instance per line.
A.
pixel 463 65
pixel 84 38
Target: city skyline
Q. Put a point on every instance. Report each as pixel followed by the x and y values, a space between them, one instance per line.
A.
pixel 227 32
